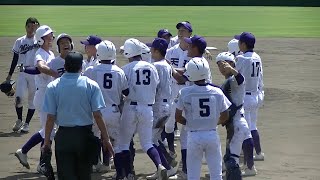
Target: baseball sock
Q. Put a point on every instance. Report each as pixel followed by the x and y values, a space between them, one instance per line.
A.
pixel 118 165
pixel 247 147
pixel 19 112
pixel 184 160
pixel 165 152
pixel 176 126
pixel 29 115
pixel 256 141
pixel 164 161
pixel 126 162
pixel 33 141
pixel 170 139
pixel 154 156
pixel 132 154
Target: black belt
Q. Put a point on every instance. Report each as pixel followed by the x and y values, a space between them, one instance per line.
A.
pixel 165 100
pixel 248 93
pixel 76 127
pixel 242 115
pixel 135 103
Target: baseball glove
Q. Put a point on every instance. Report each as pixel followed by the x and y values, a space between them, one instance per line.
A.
pixel 45 164
pixel 7 87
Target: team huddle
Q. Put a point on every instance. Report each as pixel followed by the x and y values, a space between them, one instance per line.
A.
pixel 165 82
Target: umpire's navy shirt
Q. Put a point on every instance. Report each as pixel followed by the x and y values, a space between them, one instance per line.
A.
pixel 72 98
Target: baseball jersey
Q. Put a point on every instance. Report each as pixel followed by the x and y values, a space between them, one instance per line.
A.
pixel 249 65
pixel 86 64
pixel 202 106
pixel 177 56
pixel 26 48
pixel 165 75
pixel 42 80
pixel 173 41
pixel 143 80
pixel 57 64
pixel 111 80
pixel 234 89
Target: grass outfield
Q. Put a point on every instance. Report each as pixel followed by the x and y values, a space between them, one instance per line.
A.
pixel 147 20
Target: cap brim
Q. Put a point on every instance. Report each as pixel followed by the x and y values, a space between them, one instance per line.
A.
pixel 149 44
pixel 187 40
pixel 85 42
pixel 164 34
pixel 237 37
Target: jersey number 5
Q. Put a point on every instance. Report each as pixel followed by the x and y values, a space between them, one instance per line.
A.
pixel 107 81
pixel 205 108
pixel 146 80
pixel 255 69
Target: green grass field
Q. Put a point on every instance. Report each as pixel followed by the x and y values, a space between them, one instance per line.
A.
pixel 146 20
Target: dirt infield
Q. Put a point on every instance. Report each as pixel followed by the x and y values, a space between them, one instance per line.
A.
pixel 289 122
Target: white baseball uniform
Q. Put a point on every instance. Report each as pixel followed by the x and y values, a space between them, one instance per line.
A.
pixel 137 115
pixel 41 81
pixel 249 65
pixel 235 90
pixel 202 106
pixel 173 41
pixel 92 62
pixel 178 59
pixel 57 64
pixel 161 108
pixel 112 81
pixel 26 49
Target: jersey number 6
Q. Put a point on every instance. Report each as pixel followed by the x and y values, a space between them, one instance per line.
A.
pixel 107 82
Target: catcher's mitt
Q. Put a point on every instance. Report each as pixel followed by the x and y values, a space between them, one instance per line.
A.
pixel 7 87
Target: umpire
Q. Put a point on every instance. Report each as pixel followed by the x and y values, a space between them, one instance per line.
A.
pixel 72 101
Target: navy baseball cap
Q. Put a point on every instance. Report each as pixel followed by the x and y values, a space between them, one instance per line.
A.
pixel 160 43
pixel 247 38
pixel 163 32
pixel 198 41
pixel 91 40
pixel 185 25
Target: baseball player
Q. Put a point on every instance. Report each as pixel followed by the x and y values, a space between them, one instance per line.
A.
pixel 91 51
pixel 64 45
pixel 161 107
pixel 237 127
pixel 249 65
pixel 203 105
pixel 177 55
pixel 247 145
pixel 146 53
pixel 137 113
pixel 24 50
pixel 165 34
pixel 113 83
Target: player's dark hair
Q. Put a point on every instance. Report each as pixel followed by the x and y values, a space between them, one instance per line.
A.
pixel 32 20
pixel 162 52
pixel 73 62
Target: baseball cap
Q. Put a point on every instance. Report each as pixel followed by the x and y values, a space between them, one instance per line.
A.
pixel 247 38
pixel 160 43
pixel 73 58
pixel 91 40
pixel 185 25
pixel 163 32
pixel 198 41
pixel 32 20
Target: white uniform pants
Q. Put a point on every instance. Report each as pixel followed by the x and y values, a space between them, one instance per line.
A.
pixel 251 109
pixel 207 143
pixel 136 118
pixel 161 112
pixel 25 85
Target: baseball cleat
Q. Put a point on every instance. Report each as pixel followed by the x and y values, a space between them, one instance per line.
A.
pixel 162 173
pixel 130 177
pixel 172 171
pixel 17 125
pixel 24 128
pixel 23 158
pixel 249 172
pixel 153 176
pixel 259 157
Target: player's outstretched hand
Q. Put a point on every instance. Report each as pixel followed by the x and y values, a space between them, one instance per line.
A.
pixel 106 143
pixel 207 55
